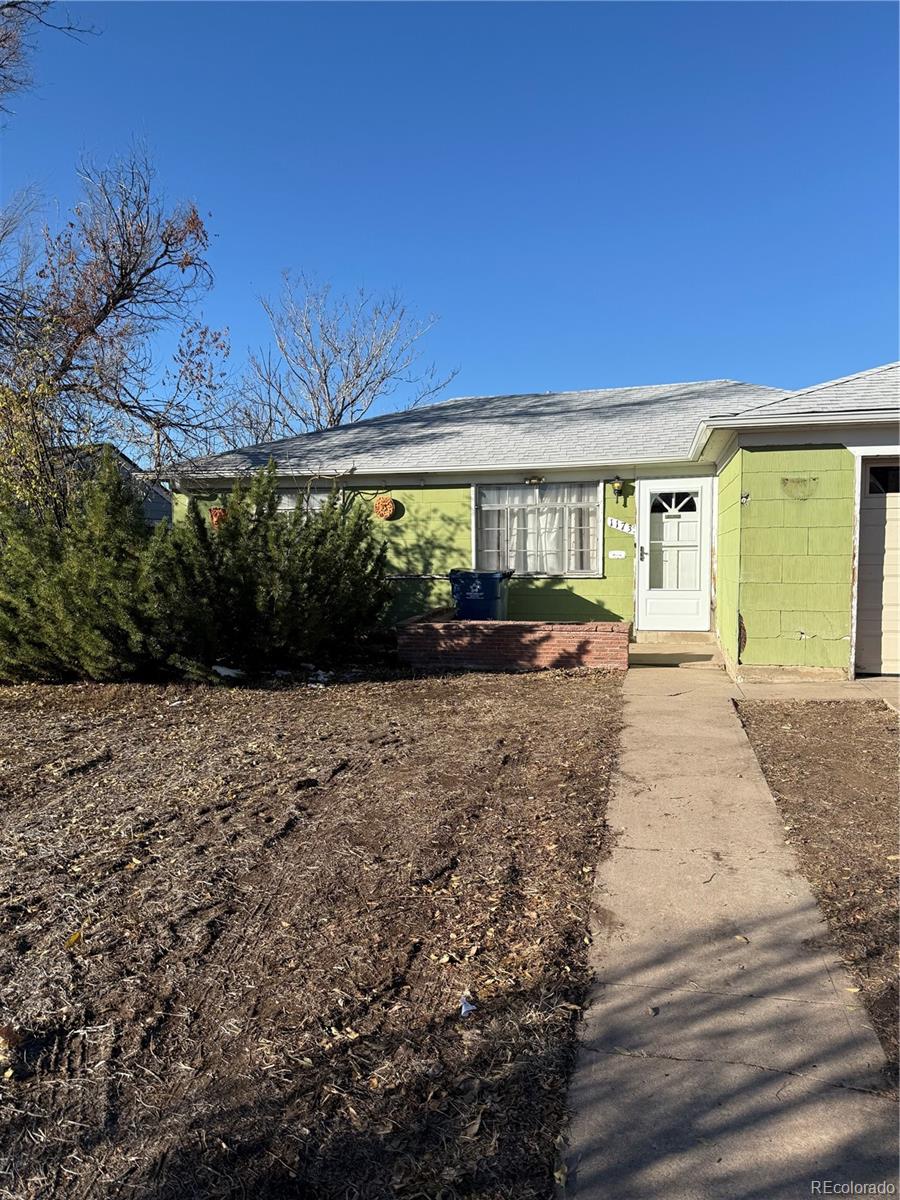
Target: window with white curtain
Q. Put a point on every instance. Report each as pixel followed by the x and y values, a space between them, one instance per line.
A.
pixel 538 529
pixel 313 499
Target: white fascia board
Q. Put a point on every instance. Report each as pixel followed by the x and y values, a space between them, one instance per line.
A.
pixel 867 416
pixel 589 467
pixel 701 437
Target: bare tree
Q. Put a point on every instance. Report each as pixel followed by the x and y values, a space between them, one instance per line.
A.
pixel 334 357
pixel 77 332
pixel 19 21
pixel 17 254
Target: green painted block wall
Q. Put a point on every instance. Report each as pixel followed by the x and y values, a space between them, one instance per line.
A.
pixel 795 554
pixel 205 501
pixel 728 557
pixel 433 534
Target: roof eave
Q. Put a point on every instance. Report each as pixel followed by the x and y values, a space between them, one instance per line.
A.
pixel 867 416
pixel 593 464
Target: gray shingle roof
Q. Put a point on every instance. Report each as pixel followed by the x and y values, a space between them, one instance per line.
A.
pixel 614 425
pixel 866 392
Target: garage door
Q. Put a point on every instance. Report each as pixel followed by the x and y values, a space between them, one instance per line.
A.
pixel 878 601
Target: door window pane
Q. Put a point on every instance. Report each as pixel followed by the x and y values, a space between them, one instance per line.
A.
pixel 674 547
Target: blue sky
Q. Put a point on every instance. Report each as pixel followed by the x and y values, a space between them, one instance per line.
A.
pixel 588 194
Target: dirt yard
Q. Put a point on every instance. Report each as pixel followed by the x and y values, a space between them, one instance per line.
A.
pixel 833 770
pixel 238 927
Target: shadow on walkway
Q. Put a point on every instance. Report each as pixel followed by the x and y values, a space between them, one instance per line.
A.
pixel 726 1065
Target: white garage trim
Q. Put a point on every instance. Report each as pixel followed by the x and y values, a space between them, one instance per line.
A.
pixel 871 599
pixel 869 443
pixel 854 576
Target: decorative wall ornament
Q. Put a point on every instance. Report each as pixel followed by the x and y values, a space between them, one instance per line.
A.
pixel 800 488
pixel 217 515
pixel 384 507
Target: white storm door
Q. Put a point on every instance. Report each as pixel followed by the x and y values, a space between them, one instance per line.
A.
pixel 673 552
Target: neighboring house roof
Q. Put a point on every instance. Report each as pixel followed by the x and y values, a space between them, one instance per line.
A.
pixel 613 425
pixel 156 500
pixel 873 391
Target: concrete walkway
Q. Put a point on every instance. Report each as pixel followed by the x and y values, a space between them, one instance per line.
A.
pixel 723 1054
pixel 874 687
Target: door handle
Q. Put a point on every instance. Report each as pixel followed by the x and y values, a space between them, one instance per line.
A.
pixel 641 553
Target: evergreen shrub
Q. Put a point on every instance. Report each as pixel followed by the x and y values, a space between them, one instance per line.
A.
pixel 103 596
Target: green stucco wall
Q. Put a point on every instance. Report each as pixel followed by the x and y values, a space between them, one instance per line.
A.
pixel 205 501
pixel 796 555
pixel 433 533
pixel 728 558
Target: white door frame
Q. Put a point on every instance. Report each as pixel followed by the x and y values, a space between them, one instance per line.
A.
pixel 703 485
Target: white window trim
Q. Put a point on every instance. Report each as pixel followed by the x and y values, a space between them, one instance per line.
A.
pixel 289 498
pixel 601 525
pixel 473 518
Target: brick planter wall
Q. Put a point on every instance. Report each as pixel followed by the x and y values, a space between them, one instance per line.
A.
pixel 447 644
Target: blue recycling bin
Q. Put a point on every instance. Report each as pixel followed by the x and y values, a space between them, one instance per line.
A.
pixel 480 595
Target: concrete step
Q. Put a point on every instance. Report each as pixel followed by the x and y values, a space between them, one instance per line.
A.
pixel 689 655
pixel 675 638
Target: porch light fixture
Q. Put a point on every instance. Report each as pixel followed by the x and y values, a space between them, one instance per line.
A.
pixel 617 486
pixel 534 480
